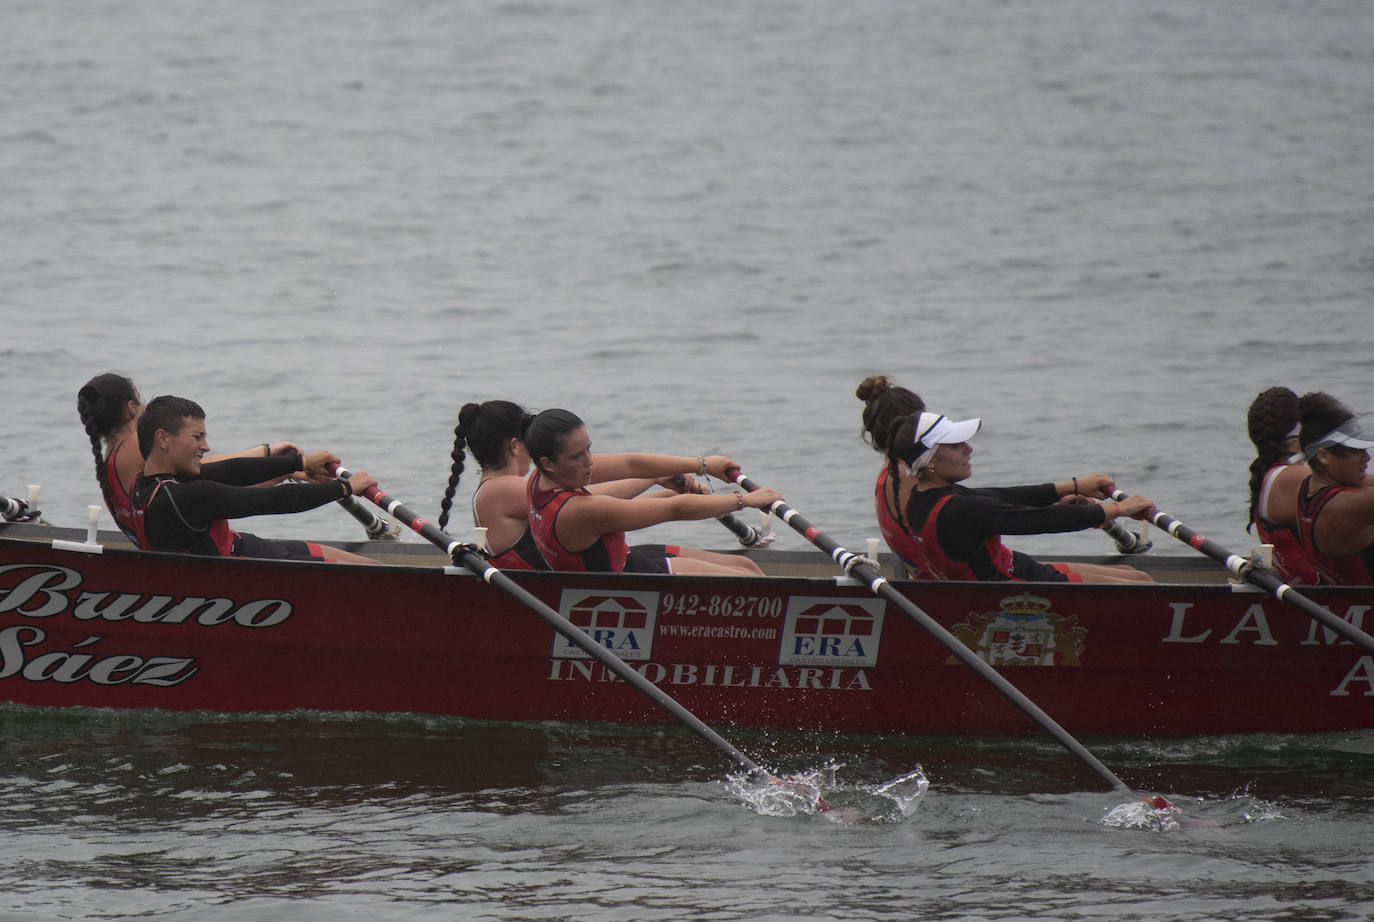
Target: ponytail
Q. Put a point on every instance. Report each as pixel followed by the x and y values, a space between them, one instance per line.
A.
pixel 1271 417
pixel 455 471
pixel 902 446
pixel 894 480
pixel 100 405
pixel 484 429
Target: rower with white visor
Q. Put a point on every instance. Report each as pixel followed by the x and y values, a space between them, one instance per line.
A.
pixel 1336 503
pixel 957 530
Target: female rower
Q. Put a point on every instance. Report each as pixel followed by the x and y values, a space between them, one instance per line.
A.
pixel 1336 502
pixel 491 431
pixel 578 530
pixel 885 404
pixel 109 407
pixel 500 503
pixel 958 530
pixel 1275 480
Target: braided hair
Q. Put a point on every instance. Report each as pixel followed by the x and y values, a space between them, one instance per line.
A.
pixel 100 404
pixel 1272 415
pixel 484 428
pixel 886 406
pixel 902 450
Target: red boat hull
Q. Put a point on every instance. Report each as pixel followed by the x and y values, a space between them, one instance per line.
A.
pixel 130 630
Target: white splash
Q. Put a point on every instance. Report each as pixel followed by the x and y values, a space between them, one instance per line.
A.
pixel 819 792
pixel 1141 814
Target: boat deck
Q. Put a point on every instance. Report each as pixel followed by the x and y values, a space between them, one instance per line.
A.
pixel 1190 569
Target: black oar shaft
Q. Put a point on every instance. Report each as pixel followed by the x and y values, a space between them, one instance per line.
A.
pixel 466 555
pixel 748 535
pixel 854 565
pixel 1127 541
pixel 11 508
pixel 1264 579
pixel 373 524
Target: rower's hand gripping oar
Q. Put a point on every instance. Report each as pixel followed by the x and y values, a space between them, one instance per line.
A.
pixel 1265 579
pixel 859 568
pixel 749 536
pixel 1127 541
pixel 467 555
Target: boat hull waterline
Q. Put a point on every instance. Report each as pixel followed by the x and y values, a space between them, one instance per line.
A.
pixel 125 629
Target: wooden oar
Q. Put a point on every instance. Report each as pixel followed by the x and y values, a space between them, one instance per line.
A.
pixel 1259 576
pixel 467 555
pixel 855 566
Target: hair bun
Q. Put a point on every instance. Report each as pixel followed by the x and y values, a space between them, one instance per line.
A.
pixel 872 387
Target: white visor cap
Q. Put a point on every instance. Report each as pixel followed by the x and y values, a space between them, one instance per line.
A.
pixel 1349 433
pixel 934 430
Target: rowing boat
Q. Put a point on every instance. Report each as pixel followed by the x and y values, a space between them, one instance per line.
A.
pixel 95 623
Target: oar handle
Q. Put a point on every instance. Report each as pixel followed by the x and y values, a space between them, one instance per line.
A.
pixel 748 535
pixel 1127 541
pixel 1233 562
pixel 859 569
pixel 16 510
pixel 376 527
pixel 426 529
pixel 468 555
pixel 1265 579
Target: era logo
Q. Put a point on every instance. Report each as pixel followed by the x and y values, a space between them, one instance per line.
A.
pixel 622 622
pixel 831 632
